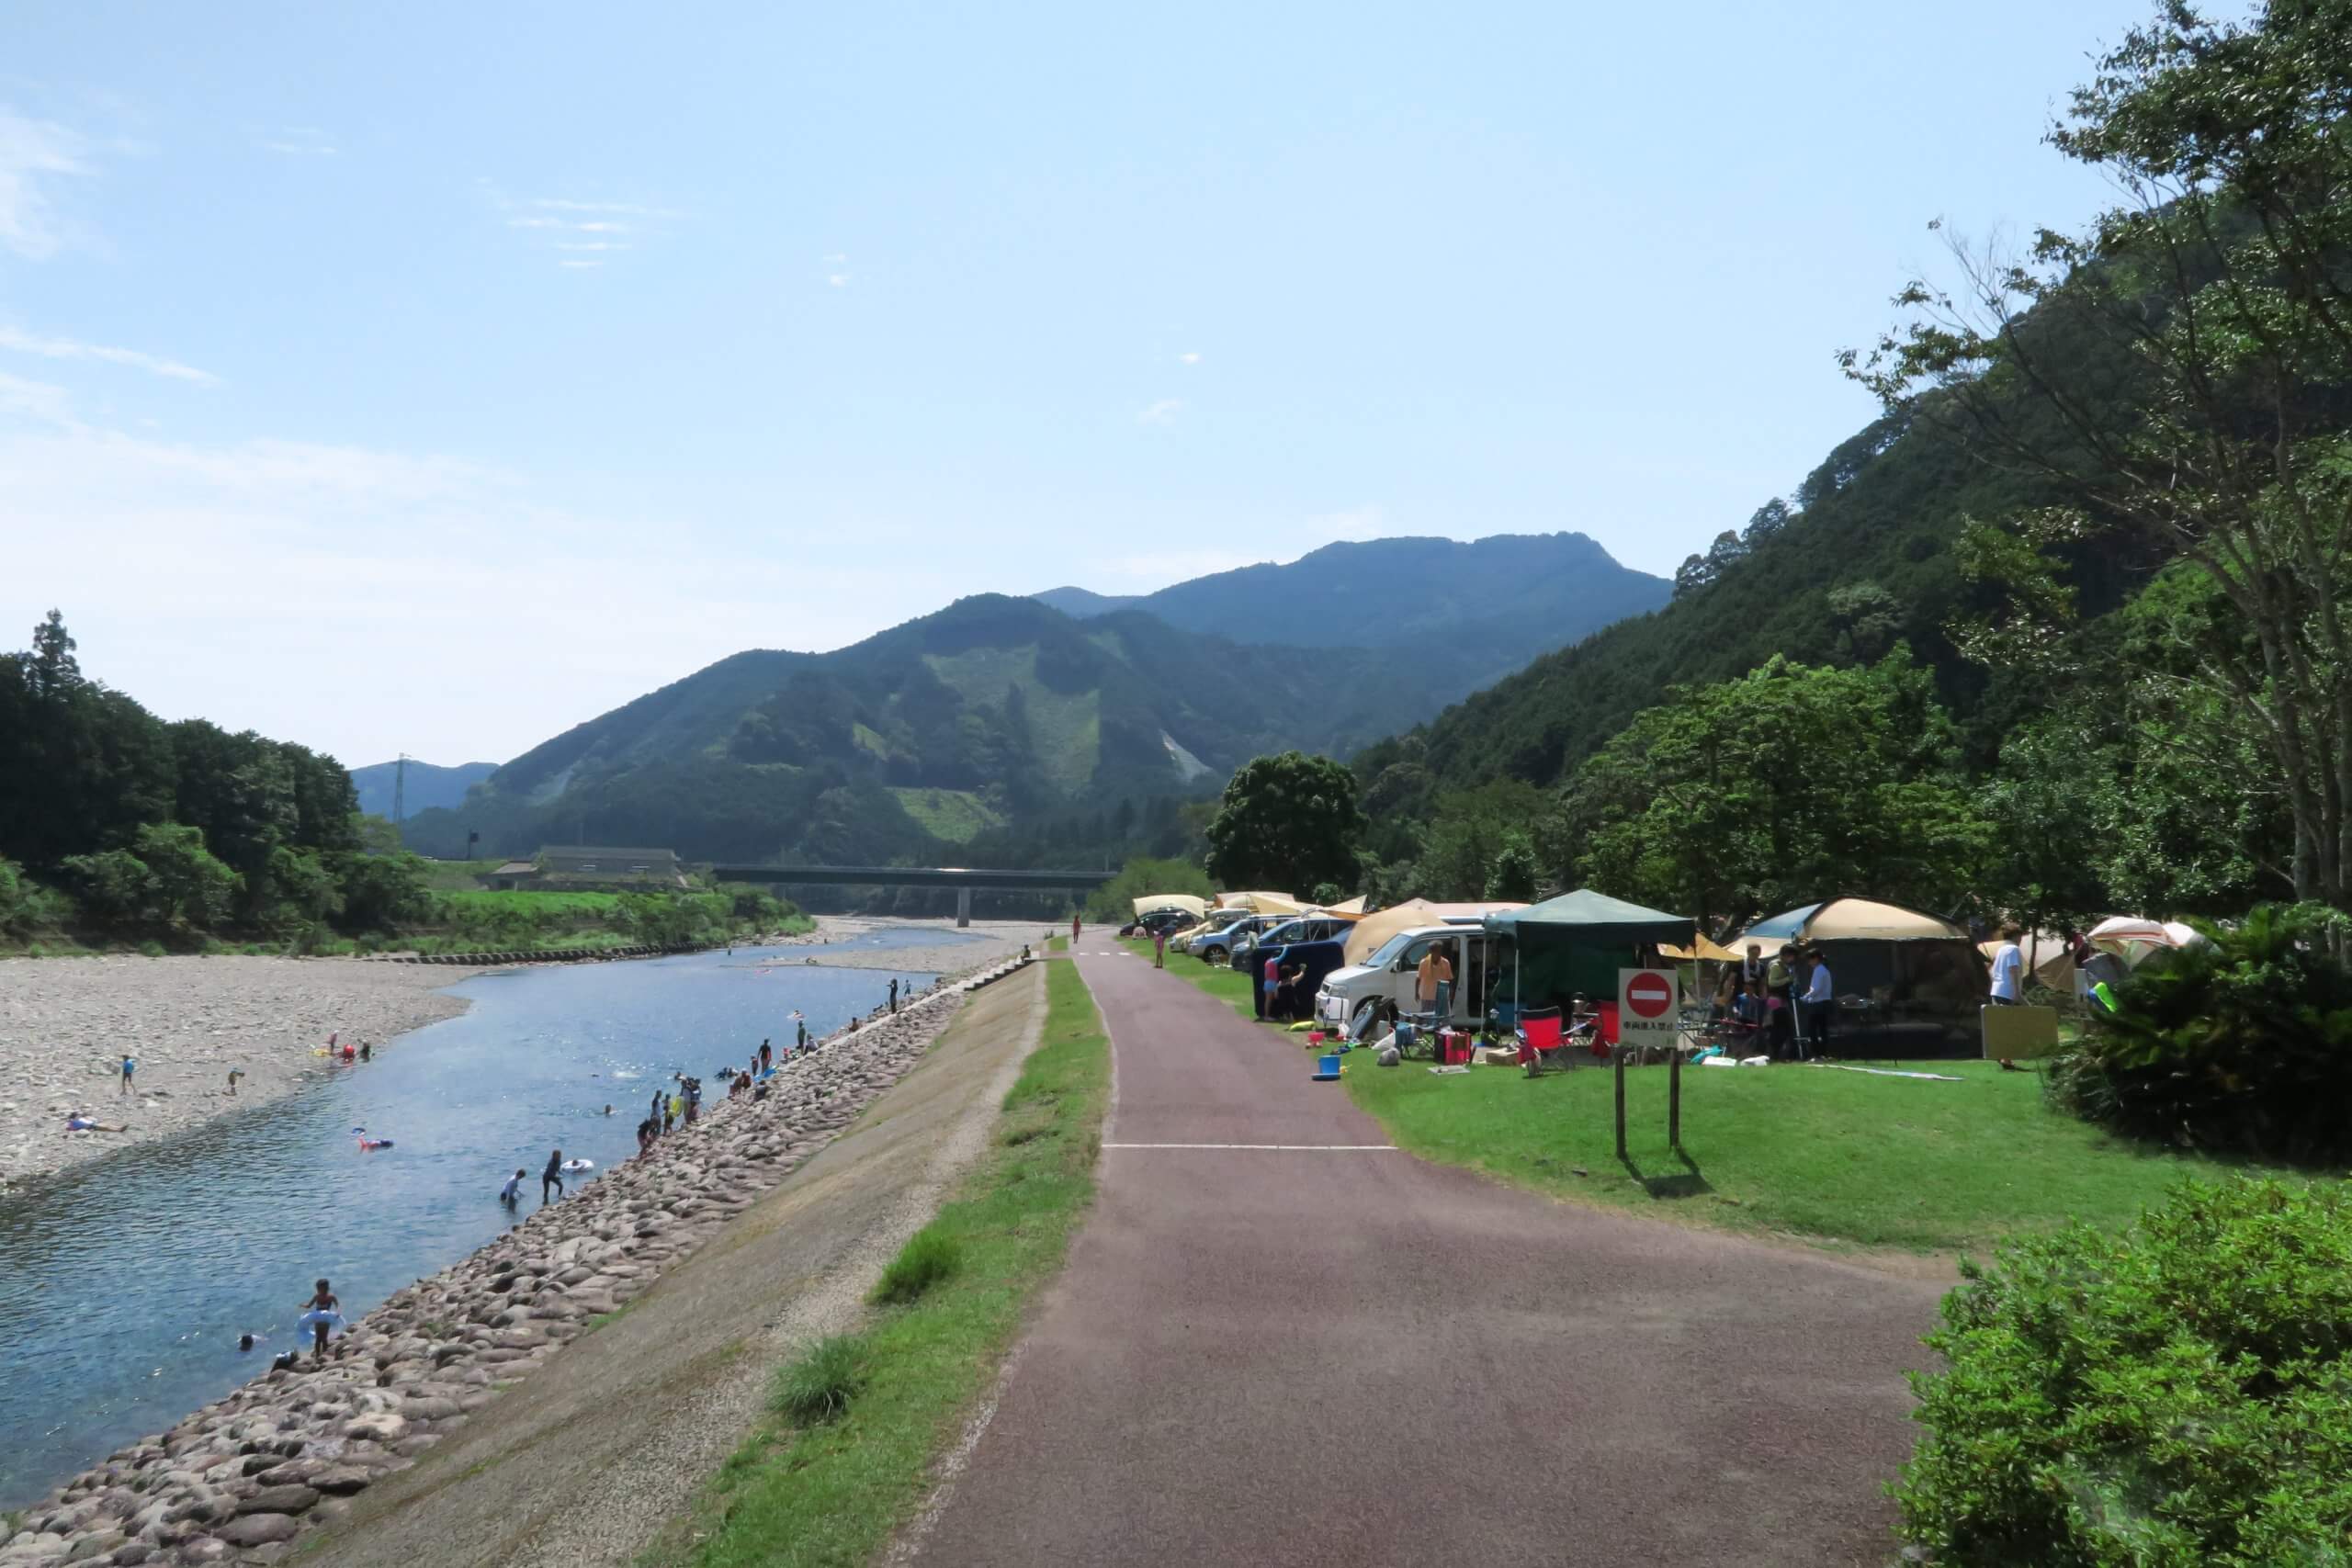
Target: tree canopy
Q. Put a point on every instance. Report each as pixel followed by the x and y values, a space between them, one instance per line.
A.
pixel 1288 823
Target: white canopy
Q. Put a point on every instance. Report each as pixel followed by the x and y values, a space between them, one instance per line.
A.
pixel 1185 901
pixel 2133 939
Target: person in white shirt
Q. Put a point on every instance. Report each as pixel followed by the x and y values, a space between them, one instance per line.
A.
pixel 2009 971
pixel 1820 996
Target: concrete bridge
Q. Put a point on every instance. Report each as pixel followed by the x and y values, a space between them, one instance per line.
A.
pixel 963 879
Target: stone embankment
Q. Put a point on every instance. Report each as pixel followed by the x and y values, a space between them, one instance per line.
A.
pixel 240 1479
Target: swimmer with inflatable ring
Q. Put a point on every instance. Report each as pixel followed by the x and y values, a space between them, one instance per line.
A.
pixel 369 1145
pixel 324 1313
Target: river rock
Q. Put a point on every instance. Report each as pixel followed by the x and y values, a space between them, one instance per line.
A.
pixel 259 1529
pixel 280 1500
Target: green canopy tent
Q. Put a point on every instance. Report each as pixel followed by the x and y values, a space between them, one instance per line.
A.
pixel 1573 945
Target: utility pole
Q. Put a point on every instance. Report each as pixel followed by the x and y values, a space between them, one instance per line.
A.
pixel 399 790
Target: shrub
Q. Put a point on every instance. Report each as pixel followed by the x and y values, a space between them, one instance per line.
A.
pixel 2178 1394
pixel 928 1259
pixel 151 948
pixel 2242 1044
pixel 820 1386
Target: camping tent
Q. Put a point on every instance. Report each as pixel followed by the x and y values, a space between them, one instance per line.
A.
pixel 2135 941
pixel 1573 945
pixel 1185 901
pixel 1366 937
pixel 2048 963
pixel 1907 982
pixel 1262 903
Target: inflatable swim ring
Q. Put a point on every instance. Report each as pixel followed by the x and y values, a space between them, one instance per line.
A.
pixel 578 1165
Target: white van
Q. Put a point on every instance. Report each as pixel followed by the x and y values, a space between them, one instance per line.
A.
pixel 1364 999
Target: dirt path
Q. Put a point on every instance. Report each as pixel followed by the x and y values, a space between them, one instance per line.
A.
pixel 1287 1347
pixel 583 1464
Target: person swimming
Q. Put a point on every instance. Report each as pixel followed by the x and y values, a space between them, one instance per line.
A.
pixel 245 1341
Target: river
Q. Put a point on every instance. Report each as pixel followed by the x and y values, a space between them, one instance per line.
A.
pixel 126 1281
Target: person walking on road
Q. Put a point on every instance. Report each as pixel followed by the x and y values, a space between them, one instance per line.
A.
pixel 1159 947
pixel 1073 933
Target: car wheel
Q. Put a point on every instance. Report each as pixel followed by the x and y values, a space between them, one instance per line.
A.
pixel 1213 955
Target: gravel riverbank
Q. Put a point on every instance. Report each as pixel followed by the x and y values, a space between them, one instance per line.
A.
pixel 240 1479
pixel 957 951
pixel 66 1023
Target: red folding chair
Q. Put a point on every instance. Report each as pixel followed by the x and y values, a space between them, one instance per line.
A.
pixel 1540 1047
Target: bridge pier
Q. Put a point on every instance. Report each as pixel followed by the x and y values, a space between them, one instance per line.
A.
pixel 963 907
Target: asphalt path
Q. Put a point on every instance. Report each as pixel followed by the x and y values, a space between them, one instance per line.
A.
pixel 1279 1341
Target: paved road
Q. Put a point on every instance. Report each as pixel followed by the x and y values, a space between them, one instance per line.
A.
pixel 1319 1353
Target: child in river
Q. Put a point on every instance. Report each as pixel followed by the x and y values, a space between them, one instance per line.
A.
pixel 511 1193
pixel 324 1312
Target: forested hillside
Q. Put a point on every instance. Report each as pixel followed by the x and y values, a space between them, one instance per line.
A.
pixel 993 712
pixel 2063 632
pixel 428 785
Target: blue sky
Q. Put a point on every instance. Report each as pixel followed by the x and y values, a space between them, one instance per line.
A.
pixel 432 378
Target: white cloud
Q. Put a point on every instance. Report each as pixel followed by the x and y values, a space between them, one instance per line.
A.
pixel 837 258
pixel 576 263
pixel 34 155
pixel 184 567
pixel 35 399
pixel 1164 412
pixel 627 209
pixel 592 244
pixel 298 142
pixel 837 280
pixel 64 348
pixel 1188 358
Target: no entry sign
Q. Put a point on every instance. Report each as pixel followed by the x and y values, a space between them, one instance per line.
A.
pixel 1646 1011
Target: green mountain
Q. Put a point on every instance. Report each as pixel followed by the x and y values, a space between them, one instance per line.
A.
pixel 993 710
pixel 1481 608
pixel 997 713
pixel 428 785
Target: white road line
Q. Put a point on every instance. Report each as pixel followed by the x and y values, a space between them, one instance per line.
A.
pixel 1313 1148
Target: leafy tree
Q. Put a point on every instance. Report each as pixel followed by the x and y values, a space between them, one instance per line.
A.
pixel 1471 830
pixel 26 905
pixel 1515 871
pixel 2178 376
pixel 1867 620
pixel 381 890
pixel 1792 782
pixel 1286 822
pixel 53 671
pixel 185 884
pixel 112 885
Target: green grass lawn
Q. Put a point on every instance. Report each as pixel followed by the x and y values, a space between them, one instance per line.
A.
pixel 1831 1156
pixel 575 906
pixel 831 1492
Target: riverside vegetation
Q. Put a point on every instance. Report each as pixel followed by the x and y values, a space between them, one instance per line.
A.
pixel 253 1469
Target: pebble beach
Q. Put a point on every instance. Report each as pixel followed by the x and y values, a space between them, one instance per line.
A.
pixel 66 1023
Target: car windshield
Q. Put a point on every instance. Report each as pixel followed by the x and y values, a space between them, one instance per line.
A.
pixel 1387 951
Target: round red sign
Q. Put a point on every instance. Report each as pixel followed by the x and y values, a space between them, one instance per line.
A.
pixel 1648 995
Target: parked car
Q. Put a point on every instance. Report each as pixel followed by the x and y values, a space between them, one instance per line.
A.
pixel 1298 928
pixel 1169 921
pixel 1364 999
pixel 1217 946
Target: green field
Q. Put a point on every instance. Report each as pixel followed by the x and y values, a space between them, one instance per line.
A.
pixel 1807 1151
pixel 449 876
pixel 831 1492
pixel 957 816
pixel 583 907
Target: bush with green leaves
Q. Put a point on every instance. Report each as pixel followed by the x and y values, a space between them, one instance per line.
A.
pixel 818 1386
pixel 2242 1043
pixel 2178 1394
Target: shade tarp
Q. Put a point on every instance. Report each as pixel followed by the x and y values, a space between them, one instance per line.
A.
pixel 1366 937
pixel 1262 903
pixel 1185 901
pixel 1712 951
pixel 1586 916
pixel 1352 909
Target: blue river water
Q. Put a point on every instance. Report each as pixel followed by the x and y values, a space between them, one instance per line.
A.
pixel 125 1283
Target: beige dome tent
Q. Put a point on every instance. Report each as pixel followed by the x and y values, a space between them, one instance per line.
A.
pixel 1366 937
pixel 1908 983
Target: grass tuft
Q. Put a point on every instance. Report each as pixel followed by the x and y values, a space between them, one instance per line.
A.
pixel 819 1387
pixel 930 1258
